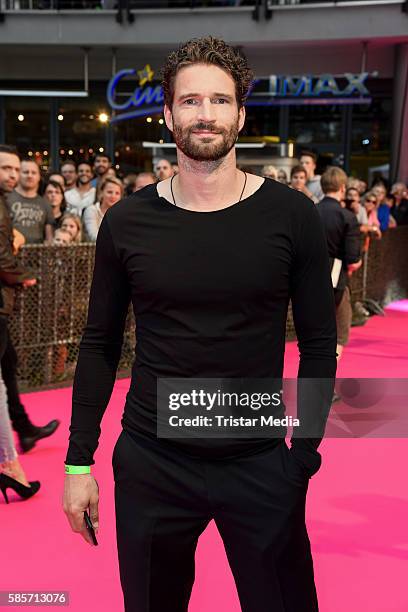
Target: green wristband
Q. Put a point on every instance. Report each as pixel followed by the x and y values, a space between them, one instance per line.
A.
pixel 77 469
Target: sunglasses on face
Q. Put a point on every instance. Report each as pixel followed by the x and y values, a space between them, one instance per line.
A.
pixel 371 201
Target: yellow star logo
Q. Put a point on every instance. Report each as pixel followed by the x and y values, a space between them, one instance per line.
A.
pixel 145 75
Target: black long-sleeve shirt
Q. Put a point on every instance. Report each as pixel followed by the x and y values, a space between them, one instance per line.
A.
pixel 210 293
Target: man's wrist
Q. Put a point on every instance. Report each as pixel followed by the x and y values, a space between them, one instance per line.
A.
pixel 77 469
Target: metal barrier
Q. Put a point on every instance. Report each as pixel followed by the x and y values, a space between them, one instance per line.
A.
pixel 49 318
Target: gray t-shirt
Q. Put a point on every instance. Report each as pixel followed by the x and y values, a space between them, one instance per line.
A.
pixel 315 188
pixel 30 216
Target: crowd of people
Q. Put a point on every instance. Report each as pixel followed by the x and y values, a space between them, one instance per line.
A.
pixel 378 207
pixel 66 208
pixel 348 207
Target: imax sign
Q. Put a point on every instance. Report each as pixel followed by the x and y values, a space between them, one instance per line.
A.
pixel 312 86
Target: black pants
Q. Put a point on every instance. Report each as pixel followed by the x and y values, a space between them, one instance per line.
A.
pixel 164 500
pixel 18 415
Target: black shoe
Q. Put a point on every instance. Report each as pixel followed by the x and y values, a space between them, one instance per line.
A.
pixel 336 398
pixel 6 482
pixel 27 442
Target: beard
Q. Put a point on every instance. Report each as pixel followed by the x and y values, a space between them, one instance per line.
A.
pixel 7 186
pixel 205 149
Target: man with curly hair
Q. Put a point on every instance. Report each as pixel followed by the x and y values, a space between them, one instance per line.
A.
pixel 209 258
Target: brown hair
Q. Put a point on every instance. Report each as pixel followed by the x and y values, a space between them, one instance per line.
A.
pixel 9 149
pixel 296 170
pixel 333 179
pixel 59 187
pixel 309 154
pixel 213 51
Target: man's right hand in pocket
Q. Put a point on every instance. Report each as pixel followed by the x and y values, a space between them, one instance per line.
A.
pixel 81 492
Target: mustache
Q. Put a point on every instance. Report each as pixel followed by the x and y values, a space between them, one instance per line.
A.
pixel 208 127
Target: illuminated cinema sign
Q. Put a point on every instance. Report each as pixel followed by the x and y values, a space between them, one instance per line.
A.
pixel 147 98
pixel 348 88
pixel 144 100
pixel 317 86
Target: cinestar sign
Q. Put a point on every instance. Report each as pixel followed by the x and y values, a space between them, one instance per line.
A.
pixel 147 99
pixel 144 100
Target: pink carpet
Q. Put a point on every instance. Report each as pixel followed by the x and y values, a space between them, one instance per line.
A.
pixel 357 507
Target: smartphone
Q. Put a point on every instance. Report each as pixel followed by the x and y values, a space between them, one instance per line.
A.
pixel 90 528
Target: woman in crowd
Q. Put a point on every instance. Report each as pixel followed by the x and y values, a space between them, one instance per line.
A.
pixel 380 191
pixel 54 194
pixel 282 176
pixel 370 202
pixel 270 172
pixel 73 225
pixel 111 191
pixel 12 475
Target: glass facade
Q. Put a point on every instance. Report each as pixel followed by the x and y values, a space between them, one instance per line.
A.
pixel 357 135
pixel 81 132
pixel 313 125
pixel 27 126
pixel 261 121
pixel 371 135
pixel 129 135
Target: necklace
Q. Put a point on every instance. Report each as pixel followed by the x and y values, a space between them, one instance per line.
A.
pixel 240 197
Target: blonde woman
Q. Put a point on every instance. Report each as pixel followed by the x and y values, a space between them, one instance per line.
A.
pixel 12 475
pixel 110 192
pixel 370 201
pixel 270 172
